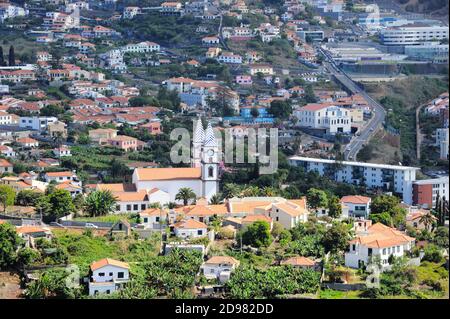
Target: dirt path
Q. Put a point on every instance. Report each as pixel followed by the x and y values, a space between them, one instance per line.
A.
pixel 419 135
pixel 9 285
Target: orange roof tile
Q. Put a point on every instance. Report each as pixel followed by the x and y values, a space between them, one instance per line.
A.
pixel 151 174
pixel 108 261
pixel 222 260
pixel 190 224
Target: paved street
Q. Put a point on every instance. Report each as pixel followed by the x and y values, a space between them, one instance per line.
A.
pixel 379 113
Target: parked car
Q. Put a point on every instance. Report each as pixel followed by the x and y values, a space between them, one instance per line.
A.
pixel 90 225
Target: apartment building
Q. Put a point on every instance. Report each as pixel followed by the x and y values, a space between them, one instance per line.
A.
pixel 398 179
pixel 442 139
pixel 38 123
pixel 413 34
pixel 425 192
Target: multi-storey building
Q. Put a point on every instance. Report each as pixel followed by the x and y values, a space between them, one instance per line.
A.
pixel 413 34
pixel 330 118
pixel 398 179
pixel 425 192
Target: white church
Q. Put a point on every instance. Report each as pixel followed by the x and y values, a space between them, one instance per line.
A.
pixel 202 177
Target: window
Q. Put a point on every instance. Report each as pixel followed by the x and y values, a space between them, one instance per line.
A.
pixel 199 232
pixel 384 251
pixel 120 274
pixel 135 207
pixel 145 220
pixel 157 219
pixel 210 171
pixel 108 292
pixel 353 247
pixel 101 274
pixel 143 206
pixel 110 274
pixel 128 207
pixel 278 218
pixel 117 207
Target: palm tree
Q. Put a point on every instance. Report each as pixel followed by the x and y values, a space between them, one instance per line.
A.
pixel 269 191
pixel 231 190
pixel 427 219
pixel 100 202
pixel 170 205
pixel 250 191
pixel 215 200
pixel 185 194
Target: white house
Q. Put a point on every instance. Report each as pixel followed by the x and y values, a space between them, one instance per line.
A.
pixel 377 243
pixel 62 151
pixel 229 57
pixel 358 206
pixel 152 217
pixel 324 116
pixel 61 177
pixel 107 275
pixel 190 229
pixel 219 267
pixel 38 123
pixel 289 213
pixel 142 47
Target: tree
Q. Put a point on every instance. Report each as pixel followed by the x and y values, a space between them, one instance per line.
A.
pixel 383 203
pixel 336 238
pixel 2 58
pixel 316 198
pixel 55 205
pixel 52 283
pixel 428 220
pixel 383 218
pixel 309 97
pixel 7 196
pixel 185 194
pixel 100 203
pixel 390 205
pixel 9 242
pixel 231 190
pixel 257 234
pixel 28 197
pixel 280 109
pixel 11 56
pixel 215 200
pixel 334 207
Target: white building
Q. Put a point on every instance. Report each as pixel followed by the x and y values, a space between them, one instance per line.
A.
pixel 229 57
pixel 219 267
pixel 190 228
pixel 442 139
pixel 152 217
pixel 328 117
pixel 358 206
pixel 413 34
pixel 8 11
pixel 289 214
pixel 130 12
pixel 62 177
pixel 38 123
pixel 377 243
pixel 202 178
pixel 398 179
pixel 107 275
pixel 142 47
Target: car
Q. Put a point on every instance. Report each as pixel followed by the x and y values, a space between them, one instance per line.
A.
pixel 371 129
pixel 90 225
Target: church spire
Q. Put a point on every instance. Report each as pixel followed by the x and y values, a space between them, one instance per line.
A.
pixel 199 134
pixel 210 139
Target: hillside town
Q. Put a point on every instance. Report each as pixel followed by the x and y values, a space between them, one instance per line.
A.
pixel 116 120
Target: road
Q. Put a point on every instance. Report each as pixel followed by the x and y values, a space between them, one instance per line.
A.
pixel 379 113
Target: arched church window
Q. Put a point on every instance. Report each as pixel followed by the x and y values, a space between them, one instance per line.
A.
pixel 210 172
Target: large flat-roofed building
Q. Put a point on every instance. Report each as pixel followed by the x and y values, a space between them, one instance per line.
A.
pixel 435 52
pixel 398 179
pixel 413 34
pixel 425 192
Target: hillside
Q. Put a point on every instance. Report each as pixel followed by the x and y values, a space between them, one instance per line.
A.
pixel 432 7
